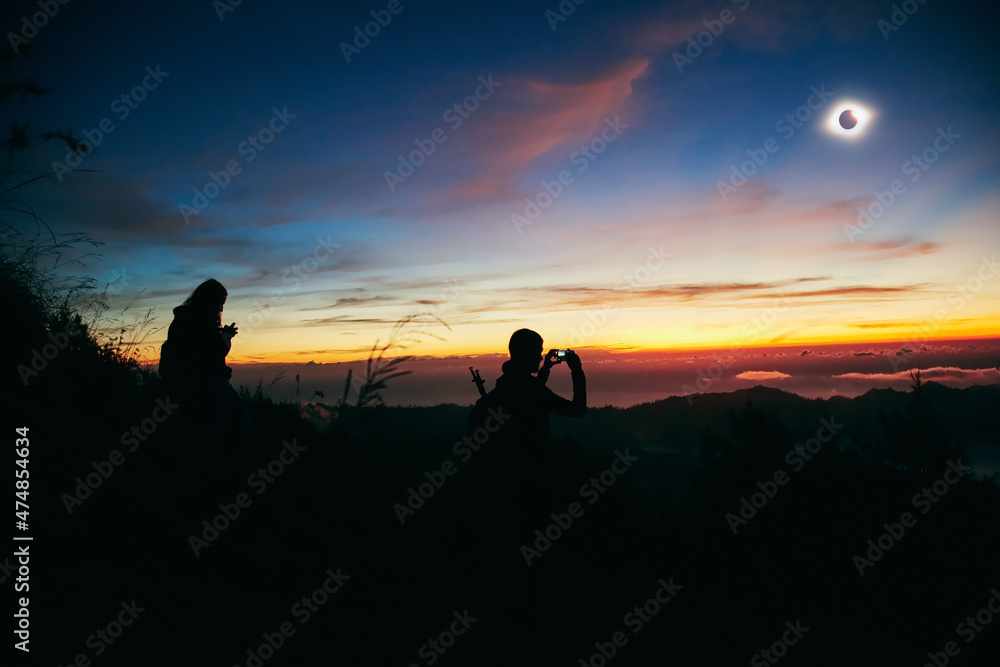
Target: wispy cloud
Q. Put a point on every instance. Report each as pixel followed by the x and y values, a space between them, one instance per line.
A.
pixel 936 374
pixel 896 249
pixel 530 119
pixel 772 26
pixel 576 297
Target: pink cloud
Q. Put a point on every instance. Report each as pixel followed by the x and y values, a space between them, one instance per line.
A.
pixel 536 118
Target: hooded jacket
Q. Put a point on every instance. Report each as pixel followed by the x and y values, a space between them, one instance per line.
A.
pixel 195 349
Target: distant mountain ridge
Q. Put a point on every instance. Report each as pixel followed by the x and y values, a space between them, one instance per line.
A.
pixel 965 415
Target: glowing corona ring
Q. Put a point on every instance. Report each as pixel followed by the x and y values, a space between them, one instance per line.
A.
pixel 857 112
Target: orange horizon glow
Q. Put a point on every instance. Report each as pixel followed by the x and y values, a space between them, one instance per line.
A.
pixel 500 350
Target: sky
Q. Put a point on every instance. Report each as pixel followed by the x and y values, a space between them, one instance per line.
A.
pixel 624 178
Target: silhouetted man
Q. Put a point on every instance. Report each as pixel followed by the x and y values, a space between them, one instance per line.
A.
pixel 526 398
pixel 515 463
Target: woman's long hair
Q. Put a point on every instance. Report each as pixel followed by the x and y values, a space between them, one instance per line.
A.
pixel 204 300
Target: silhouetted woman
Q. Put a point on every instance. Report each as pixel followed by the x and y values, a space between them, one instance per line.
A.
pixel 193 360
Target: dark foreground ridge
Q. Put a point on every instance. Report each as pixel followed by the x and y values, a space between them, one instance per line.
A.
pixel 750 527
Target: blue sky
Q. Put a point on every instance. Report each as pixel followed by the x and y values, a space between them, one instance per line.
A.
pixel 444 243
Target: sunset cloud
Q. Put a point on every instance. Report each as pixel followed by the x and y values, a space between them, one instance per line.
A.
pixel 898 249
pixel 762 375
pixel 532 118
pixel 935 374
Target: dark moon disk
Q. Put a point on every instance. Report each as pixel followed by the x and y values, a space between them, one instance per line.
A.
pixel 848 120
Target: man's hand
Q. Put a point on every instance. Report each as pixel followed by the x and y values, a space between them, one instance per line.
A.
pixel 229 331
pixel 573 360
pixel 551 359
